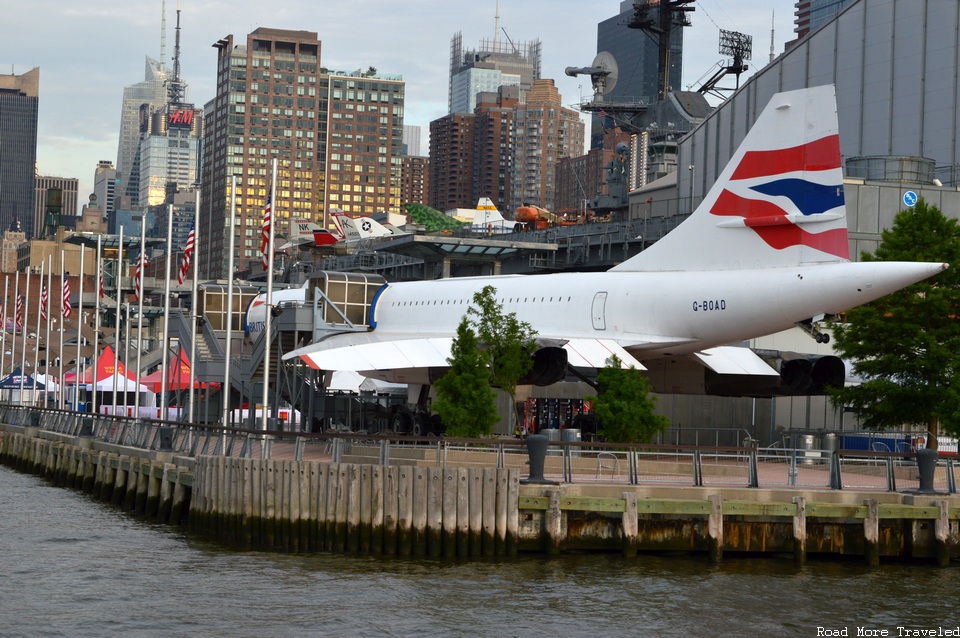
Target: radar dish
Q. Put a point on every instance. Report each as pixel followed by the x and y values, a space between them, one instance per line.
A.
pixel 604 82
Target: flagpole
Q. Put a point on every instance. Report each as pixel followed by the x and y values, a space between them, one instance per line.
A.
pixel 80 325
pixel 269 305
pixel 46 358
pixel 63 329
pixel 225 390
pixel 197 315
pixel 166 314
pixel 142 273
pixel 16 316
pixel 126 359
pixel 23 334
pixel 3 336
pixel 36 347
pixel 96 319
pixel 116 334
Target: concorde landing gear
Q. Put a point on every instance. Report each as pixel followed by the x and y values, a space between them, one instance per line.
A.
pixel 810 327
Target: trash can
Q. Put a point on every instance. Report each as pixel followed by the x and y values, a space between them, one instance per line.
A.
pixel 552 434
pixel 830 443
pixel 571 435
pixel 805 445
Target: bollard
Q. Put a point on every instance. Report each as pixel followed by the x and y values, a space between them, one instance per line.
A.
pixel 927 466
pixel 537 453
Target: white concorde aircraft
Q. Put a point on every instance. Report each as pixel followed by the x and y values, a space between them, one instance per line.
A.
pixel 766 249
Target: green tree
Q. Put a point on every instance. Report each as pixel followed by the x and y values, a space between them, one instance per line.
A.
pixel 624 405
pixel 906 345
pixel 508 342
pixel 465 401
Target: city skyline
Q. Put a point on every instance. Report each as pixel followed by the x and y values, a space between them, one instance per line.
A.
pixel 102 49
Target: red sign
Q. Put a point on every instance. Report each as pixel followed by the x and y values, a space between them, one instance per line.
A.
pixel 181 118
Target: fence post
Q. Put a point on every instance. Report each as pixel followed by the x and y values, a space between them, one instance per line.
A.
pixel 891 476
pixel 754 473
pixel 951 478
pixel 697 469
pixel 836 480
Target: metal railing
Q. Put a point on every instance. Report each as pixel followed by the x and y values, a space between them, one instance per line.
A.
pixel 567 461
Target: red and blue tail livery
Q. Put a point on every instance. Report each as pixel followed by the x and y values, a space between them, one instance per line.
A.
pixel 779 201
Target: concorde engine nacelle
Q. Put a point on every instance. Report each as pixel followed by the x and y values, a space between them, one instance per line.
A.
pixel 549 367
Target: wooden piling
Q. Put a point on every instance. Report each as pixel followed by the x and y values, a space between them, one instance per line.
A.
pixel 376 509
pixel 942 535
pixel 871 533
pixel 405 511
pixel 463 512
pixel 800 530
pixel 629 525
pixel 715 527
pixel 391 509
pixel 553 524
pixel 434 529
pixel 449 498
pixel 418 520
pixel 475 478
pixel 352 504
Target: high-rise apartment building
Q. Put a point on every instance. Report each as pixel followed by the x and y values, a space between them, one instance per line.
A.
pixel 337 138
pixel 452 161
pixel 493 145
pixel 543 133
pixel 415 180
pixel 56 198
pixel 139 102
pixel 362 116
pixel 494 64
pixel 19 103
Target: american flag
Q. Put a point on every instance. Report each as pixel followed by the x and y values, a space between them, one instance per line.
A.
pixel 43 301
pixel 138 280
pixel 18 320
pixel 187 255
pixel 265 233
pixel 65 304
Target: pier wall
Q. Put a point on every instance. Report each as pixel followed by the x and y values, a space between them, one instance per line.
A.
pixel 305 506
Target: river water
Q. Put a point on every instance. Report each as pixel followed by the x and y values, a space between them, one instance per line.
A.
pixel 71 566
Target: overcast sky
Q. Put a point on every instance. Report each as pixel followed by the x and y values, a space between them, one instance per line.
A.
pixel 88 51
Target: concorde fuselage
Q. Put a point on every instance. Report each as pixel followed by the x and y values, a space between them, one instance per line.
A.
pixel 649 312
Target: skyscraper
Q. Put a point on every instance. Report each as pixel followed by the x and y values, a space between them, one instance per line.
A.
pixel 169 148
pixel 494 64
pixel 19 102
pixel 337 138
pixel 139 102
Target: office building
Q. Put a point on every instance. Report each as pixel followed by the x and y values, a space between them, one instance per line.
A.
pixel 494 64
pixel 139 102
pixel 19 103
pixel 56 204
pixel 105 187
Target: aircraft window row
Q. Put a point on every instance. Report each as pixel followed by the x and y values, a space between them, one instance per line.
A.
pixel 460 302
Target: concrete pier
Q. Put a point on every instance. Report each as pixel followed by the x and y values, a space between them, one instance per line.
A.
pixel 309 506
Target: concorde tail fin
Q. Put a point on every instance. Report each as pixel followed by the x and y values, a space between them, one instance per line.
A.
pixel 779 201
